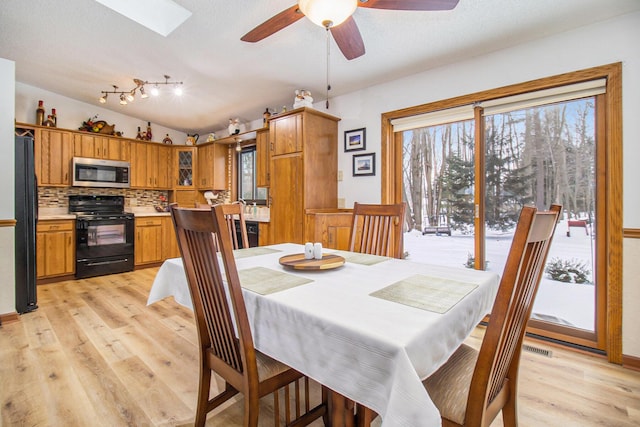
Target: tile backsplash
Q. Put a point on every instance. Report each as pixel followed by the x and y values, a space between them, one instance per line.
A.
pixel 58 197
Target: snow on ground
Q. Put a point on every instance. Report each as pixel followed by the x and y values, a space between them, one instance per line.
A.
pixel 566 303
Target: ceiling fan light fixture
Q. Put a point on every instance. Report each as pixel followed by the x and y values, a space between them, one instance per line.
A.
pixel 328 13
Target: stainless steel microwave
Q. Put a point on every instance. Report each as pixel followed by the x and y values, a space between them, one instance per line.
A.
pixel 88 172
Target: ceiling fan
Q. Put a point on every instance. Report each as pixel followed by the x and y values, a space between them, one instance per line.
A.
pixel 335 16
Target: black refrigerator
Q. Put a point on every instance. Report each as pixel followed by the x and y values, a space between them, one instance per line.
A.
pixel 26 206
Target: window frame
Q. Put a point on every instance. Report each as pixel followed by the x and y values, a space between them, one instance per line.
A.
pixel 248 149
pixel 610 178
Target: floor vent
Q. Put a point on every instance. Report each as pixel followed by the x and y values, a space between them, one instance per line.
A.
pixel 537 350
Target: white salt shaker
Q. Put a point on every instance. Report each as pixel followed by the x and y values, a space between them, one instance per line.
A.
pixel 317 250
pixel 308 250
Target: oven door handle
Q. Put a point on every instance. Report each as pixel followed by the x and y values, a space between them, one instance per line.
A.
pixel 92 264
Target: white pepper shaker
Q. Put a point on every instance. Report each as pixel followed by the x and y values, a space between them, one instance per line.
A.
pixel 308 250
pixel 317 250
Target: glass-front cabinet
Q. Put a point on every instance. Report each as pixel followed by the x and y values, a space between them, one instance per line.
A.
pixel 185 161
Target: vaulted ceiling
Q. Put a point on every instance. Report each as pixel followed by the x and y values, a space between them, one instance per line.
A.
pixel 78 48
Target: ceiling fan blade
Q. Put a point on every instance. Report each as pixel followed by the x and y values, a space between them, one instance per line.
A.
pixel 273 25
pixel 348 38
pixel 409 4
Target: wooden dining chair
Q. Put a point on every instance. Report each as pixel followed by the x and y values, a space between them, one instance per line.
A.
pixel 218 307
pixel 472 387
pixel 230 213
pixel 377 229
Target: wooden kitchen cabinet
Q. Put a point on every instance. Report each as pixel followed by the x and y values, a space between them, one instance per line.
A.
pixel 212 166
pixel 303 170
pixel 331 227
pixel 286 134
pixel 158 169
pixel 263 156
pixel 263 234
pixel 100 147
pixel 55 248
pixel 150 165
pixel 138 173
pixel 53 153
pixel 148 241
pixel 169 240
pixel 184 167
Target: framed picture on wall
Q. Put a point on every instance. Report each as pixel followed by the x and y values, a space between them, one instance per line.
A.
pixel 364 164
pixel 355 140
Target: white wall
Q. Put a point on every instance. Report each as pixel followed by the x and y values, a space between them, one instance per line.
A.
pixel 72 113
pixel 7 207
pixel 607 42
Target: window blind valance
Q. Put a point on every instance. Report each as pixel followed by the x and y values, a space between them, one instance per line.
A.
pixel 502 105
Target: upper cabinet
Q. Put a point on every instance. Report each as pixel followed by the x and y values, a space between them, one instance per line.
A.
pixel 212 166
pixel 150 165
pixel 53 154
pixel 185 162
pixel 286 134
pixel 100 147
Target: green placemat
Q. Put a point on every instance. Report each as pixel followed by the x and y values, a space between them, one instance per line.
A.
pixel 265 281
pixel 364 259
pixel 426 293
pixel 248 252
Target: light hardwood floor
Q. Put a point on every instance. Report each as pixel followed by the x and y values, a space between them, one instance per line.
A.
pixel 94 354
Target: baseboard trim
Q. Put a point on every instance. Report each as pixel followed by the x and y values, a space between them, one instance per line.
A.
pixel 9 317
pixel 631 362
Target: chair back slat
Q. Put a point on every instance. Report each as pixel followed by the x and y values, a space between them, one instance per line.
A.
pixel 233 212
pixel 199 239
pixel 377 229
pixel 500 351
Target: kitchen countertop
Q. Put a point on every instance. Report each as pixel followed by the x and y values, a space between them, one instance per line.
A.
pixel 50 214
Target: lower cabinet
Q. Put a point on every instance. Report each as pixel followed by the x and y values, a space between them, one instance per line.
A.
pixel 169 240
pixel 148 242
pixel 331 227
pixel 263 234
pixel 55 248
pixel 155 240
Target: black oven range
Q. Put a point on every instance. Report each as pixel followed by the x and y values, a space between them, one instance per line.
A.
pixel 104 235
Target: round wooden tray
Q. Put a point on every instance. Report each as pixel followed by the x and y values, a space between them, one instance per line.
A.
pixel 298 262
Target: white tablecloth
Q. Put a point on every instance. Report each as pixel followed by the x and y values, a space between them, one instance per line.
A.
pixel 373 351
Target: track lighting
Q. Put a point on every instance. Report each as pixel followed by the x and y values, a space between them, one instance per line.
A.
pixel 130 96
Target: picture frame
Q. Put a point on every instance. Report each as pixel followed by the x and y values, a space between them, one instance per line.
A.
pixel 355 139
pixel 364 164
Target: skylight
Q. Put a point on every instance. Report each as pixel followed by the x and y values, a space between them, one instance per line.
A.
pixel 161 16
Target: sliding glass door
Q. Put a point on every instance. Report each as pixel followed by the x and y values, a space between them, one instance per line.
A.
pixel 537 155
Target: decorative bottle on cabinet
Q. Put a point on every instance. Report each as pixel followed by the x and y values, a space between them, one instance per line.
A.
pixel 148 135
pixel 54 117
pixel 40 114
pixel 139 135
pixel 265 117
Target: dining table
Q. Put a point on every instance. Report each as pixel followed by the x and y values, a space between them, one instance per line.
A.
pixel 371 328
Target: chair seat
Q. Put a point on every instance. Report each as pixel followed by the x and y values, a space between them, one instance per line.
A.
pixel 449 385
pixel 268 367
